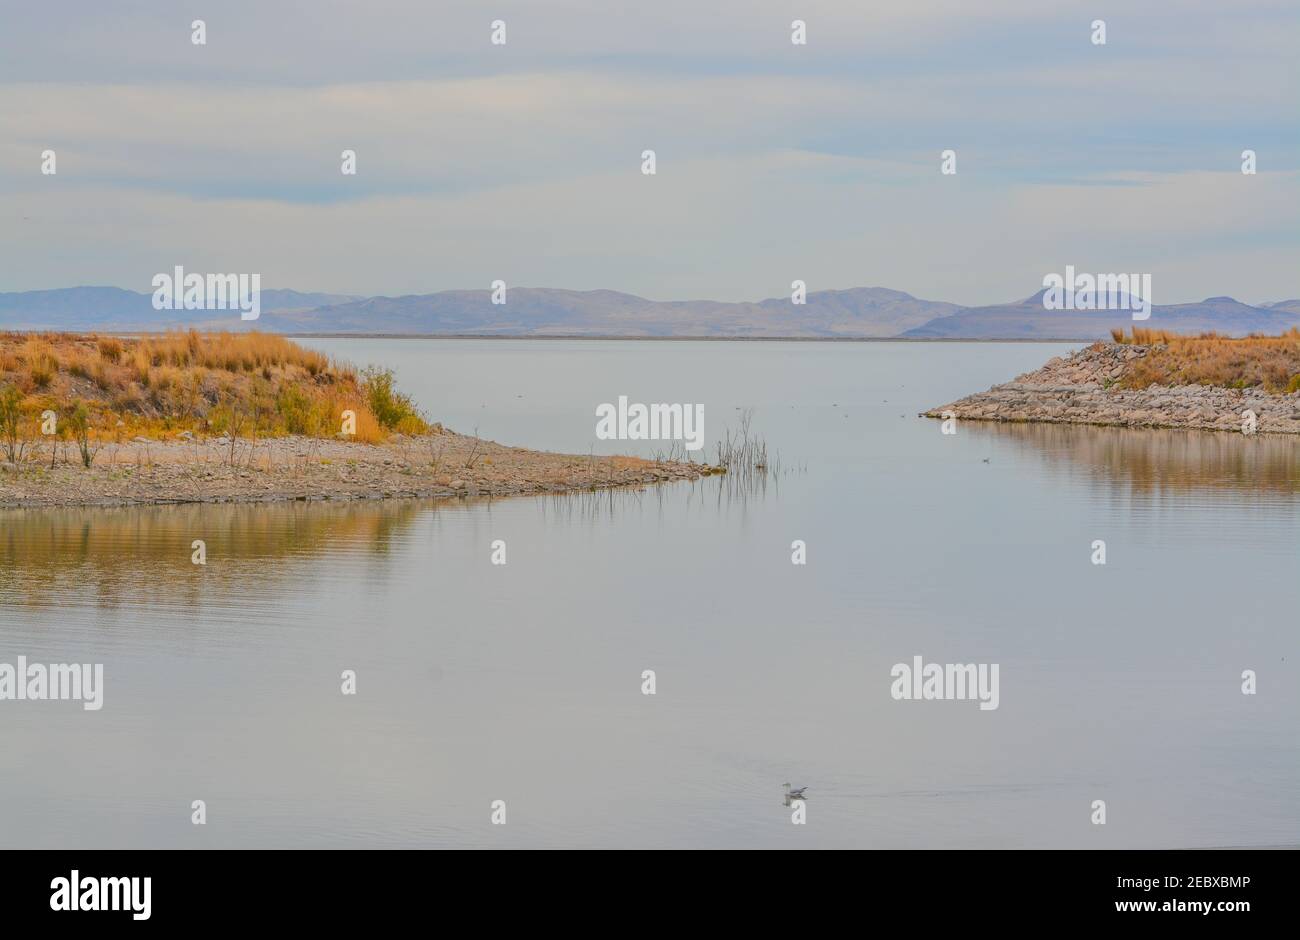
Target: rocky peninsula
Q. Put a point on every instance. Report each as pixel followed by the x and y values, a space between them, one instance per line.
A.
pixel 1207 383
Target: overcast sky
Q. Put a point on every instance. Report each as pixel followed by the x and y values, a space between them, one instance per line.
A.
pixel 775 162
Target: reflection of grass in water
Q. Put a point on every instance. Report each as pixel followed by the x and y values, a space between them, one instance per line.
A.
pixel 715 491
pixel 740 452
pixel 1153 459
pixel 743 455
pixel 45 553
pixel 589 505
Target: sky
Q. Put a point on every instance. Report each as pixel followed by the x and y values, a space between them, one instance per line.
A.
pixel 775 162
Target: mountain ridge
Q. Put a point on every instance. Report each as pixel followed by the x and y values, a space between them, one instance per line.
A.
pixel 849 313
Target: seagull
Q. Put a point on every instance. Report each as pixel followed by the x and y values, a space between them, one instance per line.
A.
pixel 794 794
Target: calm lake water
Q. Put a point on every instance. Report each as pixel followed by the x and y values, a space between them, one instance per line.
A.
pixel 522 682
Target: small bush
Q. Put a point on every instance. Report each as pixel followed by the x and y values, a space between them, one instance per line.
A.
pixel 389 406
pixel 11 418
pixel 79 424
pixel 303 413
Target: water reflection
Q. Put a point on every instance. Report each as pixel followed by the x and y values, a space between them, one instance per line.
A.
pixel 478 681
pixel 48 554
pixel 1151 460
pixel 714 494
pixel 115 557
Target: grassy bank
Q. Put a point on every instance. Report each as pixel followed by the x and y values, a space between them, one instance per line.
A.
pixel 1270 363
pixel 104 388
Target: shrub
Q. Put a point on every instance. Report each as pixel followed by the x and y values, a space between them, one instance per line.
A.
pixel 78 423
pixel 389 406
pixel 303 413
pixel 11 418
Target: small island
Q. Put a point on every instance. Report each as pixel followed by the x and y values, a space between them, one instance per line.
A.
pixel 192 417
pixel 1154 379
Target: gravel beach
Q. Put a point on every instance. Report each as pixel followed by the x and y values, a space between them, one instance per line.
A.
pixel 218 470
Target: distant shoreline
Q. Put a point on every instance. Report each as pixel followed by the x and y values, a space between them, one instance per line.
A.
pixel 612 338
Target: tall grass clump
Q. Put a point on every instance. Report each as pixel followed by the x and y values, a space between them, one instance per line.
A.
pixel 110 349
pixel 1143 336
pixel 40 363
pixel 743 452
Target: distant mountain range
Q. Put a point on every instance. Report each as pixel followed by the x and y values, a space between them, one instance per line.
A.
pixel 111 308
pixel 857 313
pixel 1029 320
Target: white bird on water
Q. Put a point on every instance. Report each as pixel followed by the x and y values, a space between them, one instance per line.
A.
pixel 794 794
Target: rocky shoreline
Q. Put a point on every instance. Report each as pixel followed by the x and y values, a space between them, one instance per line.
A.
pixel 1084 389
pixel 220 470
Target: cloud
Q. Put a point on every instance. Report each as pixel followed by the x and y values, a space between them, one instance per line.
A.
pixel 727 228
pixel 476 161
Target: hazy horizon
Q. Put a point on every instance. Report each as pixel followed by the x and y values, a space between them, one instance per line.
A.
pixel 552 287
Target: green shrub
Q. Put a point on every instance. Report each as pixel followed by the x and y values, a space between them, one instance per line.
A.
pixel 390 407
pixel 11 417
pixel 302 413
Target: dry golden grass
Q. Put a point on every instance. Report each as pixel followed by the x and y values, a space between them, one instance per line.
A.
pixel 232 352
pixel 1268 362
pixel 110 349
pixel 41 365
pixel 1141 336
pixel 245 383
